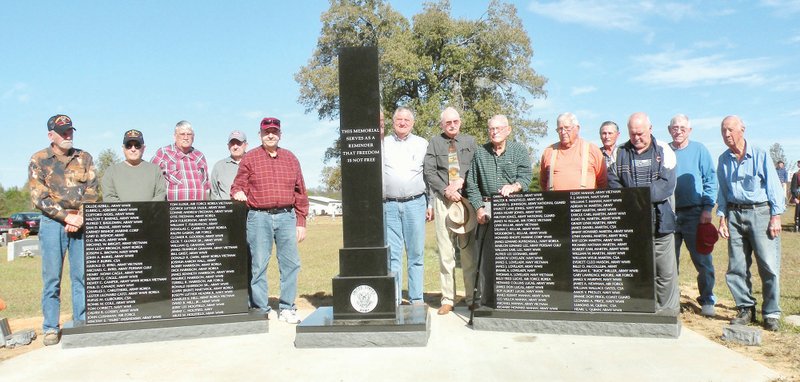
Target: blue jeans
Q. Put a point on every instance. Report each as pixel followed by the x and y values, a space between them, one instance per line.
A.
pixel 54 243
pixel 686 232
pixel 748 233
pixel 262 228
pixel 405 228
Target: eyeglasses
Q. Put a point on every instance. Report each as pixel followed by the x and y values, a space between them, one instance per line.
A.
pixel 497 128
pixel 131 145
pixel 565 128
pixel 677 128
pixel 185 134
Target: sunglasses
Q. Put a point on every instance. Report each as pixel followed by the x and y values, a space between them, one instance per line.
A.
pixel 271 121
pixel 133 145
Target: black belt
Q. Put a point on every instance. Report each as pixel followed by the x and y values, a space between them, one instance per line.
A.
pixel 276 210
pixel 734 206
pixel 405 199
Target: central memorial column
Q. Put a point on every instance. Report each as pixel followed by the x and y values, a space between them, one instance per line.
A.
pixel 364 312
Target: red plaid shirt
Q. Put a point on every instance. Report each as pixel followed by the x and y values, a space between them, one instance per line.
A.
pixel 186 174
pixel 272 182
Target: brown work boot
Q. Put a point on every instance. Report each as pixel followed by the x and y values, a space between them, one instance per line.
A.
pixel 446 308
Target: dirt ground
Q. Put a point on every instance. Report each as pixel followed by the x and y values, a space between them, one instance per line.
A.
pixel 779 351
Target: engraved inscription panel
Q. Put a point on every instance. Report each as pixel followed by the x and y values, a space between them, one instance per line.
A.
pixel 158 260
pixel 584 251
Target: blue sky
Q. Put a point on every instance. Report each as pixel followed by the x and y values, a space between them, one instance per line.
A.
pixel 118 65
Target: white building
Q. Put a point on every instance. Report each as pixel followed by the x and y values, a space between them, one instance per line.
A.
pixel 320 205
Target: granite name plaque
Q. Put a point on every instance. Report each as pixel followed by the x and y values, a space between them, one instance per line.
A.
pixel 581 251
pixel 158 260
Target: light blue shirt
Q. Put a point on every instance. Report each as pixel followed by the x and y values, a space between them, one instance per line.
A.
pixel 697 180
pixel 403 166
pixel 751 181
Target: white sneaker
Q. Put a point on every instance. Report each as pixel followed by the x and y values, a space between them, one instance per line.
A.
pixel 708 311
pixel 289 316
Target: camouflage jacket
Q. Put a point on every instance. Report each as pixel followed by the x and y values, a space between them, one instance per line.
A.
pixel 61 183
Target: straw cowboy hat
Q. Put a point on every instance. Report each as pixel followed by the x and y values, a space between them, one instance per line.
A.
pixel 461 217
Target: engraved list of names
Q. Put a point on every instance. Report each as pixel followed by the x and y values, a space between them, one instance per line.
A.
pixel 158 260
pixel 584 251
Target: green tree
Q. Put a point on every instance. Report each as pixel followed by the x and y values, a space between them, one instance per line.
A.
pixel 332 178
pixel 106 159
pixel 482 67
pixel 15 200
pixel 777 154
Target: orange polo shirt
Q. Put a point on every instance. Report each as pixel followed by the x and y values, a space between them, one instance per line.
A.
pixel 567 170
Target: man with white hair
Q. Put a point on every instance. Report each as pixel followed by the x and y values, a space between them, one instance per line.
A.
pixel 695 191
pixel 446 163
pixel 750 202
pixel 499 167
pixel 184 167
pixel 572 163
pixel 644 162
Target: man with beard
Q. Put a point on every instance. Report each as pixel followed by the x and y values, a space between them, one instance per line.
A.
pixel 61 180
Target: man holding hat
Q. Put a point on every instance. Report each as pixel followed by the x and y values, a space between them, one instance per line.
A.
pixel 271 183
pixel 61 179
pixel 184 167
pixel 225 170
pixel 444 169
pixel 695 191
pixel 133 180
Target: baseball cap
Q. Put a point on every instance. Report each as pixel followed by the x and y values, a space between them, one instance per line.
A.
pixel 706 238
pixel 237 135
pixel 59 123
pixel 270 123
pixel 133 135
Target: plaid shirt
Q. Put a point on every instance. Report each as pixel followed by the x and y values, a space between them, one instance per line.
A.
pixel 61 183
pixel 489 172
pixel 272 182
pixel 186 174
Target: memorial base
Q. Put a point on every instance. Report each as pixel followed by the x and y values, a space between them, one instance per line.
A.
pixel 75 336
pixel 411 327
pixel 576 323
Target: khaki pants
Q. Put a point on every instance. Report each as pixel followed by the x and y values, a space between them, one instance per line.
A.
pixel 447 241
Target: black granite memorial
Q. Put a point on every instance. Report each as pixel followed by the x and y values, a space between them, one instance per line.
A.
pixel 364 311
pixel 158 270
pixel 577 262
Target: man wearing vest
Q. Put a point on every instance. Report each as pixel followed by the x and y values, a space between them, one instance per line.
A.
pixel 445 167
pixel 572 163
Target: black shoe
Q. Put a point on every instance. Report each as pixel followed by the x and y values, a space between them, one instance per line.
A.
pixel 745 316
pixel 771 324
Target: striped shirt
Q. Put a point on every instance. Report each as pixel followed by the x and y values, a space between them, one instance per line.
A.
pixel 489 172
pixel 186 174
pixel 272 182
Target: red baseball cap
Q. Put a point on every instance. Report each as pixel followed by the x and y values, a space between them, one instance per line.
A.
pixel 707 236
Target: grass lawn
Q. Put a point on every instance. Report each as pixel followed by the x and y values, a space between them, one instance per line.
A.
pixel 20 280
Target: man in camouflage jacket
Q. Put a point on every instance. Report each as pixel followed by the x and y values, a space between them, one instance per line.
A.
pixel 61 180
